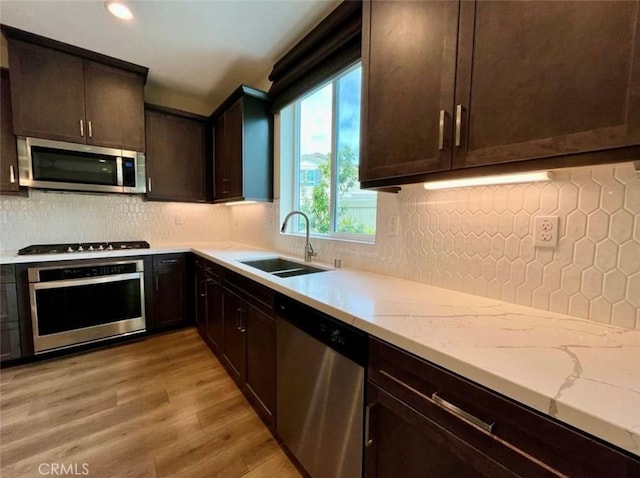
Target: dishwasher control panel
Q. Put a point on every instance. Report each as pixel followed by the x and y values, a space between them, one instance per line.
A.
pixel 341 337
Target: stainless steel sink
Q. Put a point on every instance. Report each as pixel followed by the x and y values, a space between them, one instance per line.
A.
pixel 282 267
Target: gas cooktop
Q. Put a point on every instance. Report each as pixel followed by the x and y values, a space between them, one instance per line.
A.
pixel 82 247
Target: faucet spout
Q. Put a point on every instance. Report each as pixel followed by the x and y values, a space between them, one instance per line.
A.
pixel 308 248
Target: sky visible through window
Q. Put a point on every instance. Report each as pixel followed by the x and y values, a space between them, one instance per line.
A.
pixel 330 193
pixel 316 111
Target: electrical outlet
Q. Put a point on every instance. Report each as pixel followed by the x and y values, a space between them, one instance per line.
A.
pixel 393 223
pixel 547 230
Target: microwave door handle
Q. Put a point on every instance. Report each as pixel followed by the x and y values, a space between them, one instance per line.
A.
pixel 119 180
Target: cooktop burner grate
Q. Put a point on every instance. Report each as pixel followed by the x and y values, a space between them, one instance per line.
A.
pixel 82 247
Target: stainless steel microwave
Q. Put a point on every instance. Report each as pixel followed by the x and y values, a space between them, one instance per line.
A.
pixel 49 164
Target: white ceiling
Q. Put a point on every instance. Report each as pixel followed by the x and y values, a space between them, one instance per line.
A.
pixel 200 49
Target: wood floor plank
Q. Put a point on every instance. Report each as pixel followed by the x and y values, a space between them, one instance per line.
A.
pixel 158 407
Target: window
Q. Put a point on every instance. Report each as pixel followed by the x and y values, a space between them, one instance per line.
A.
pixel 320 150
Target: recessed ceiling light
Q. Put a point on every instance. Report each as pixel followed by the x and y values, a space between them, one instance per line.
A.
pixel 118 9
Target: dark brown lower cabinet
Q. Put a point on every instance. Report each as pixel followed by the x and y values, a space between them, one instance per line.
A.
pixel 234 337
pixel 200 296
pixel 423 420
pixel 402 442
pixel 261 357
pixel 169 291
pixel 235 317
pixel 213 327
pixel 9 320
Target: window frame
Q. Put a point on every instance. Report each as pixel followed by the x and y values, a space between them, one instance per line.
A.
pixel 294 165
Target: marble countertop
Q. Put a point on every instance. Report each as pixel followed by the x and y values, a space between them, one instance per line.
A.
pixel 580 372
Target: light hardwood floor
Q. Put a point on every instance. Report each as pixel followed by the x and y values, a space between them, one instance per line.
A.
pixel 159 407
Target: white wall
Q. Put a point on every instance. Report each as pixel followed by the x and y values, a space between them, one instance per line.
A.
pixel 478 240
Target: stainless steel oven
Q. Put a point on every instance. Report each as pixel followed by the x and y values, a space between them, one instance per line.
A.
pixel 83 302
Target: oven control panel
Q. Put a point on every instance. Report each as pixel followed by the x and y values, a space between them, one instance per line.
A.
pixel 80 272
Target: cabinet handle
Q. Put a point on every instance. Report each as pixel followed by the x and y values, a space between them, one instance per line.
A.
pixel 239 320
pixel 82 128
pixel 458 124
pixel 90 130
pixel 169 261
pixel 450 407
pixel 225 189
pixel 149 185
pixel 441 130
pixel 12 174
pixel 156 283
pixel 368 441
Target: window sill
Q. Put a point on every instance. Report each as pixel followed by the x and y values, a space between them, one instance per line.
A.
pixel 349 239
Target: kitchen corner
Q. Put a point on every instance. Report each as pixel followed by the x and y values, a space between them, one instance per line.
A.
pixel 413 250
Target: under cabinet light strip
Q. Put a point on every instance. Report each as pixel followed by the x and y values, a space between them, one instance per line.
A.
pixel 237 203
pixel 491 180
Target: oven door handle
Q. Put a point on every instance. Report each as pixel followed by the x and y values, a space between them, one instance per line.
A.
pixel 58 284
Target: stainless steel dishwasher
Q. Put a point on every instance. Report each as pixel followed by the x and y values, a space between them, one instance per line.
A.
pixel 320 392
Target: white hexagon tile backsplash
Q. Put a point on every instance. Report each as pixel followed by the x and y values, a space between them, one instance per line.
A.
pixel 69 217
pixel 479 240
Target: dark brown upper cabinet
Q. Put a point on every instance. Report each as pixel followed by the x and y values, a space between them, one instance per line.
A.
pixel 409 54
pixel 176 161
pixel 9 181
pixel 65 93
pixel 467 88
pixel 243 147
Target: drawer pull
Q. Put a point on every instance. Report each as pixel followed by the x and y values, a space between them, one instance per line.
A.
pixel 450 407
pixel 169 261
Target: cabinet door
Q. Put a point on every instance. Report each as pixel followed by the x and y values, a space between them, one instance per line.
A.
pixel 175 157
pixel 408 58
pixel 235 152
pixel 114 107
pixel 8 303
pixel 9 180
pixel 9 341
pixel 402 442
pixel 539 80
pixel 169 275
pixel 261 361
pixel 234 337
pixel 220 179
pixel 201 297
pixel 214 329
pixel 47 93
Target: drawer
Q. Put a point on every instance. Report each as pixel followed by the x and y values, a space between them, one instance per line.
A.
pixel 178 259
pixel 470 411
pixel 7 274
pixel 259 295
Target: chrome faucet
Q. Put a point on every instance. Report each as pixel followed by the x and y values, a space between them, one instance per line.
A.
pixel 308 248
